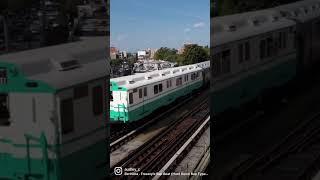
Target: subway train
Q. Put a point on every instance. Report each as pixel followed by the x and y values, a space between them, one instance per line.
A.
pixel 137 96
pixel 53 112
pixel 257 54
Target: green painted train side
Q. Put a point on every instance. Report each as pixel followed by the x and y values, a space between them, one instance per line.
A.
pixel 128 115
pixel 250 87
pixel 65 168
pixel 17 82
pixel 13 167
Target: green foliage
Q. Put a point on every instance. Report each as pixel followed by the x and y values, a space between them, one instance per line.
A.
pixel 180 60
pixel 115 62
pixel 207 49
pixel 131 60
pixel 172 57
pixel 165 53
pixel 194 54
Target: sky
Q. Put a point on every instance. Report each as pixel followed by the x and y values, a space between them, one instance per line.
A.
pixel 140 24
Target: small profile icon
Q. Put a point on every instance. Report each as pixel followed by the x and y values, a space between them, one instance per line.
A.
pixel 118 171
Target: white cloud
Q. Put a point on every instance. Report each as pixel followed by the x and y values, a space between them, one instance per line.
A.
pixel 187 30
pixel 199 24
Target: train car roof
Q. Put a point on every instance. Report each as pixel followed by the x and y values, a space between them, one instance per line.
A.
pixel 235 27
pixel 300 10
pixel 142 79
pixel 65 65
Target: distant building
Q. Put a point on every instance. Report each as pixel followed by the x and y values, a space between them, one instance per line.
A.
pixel 114 52
pixel 181 50
pixel 142 54
pixel 123 55
pixel 135 55
pixel 146 54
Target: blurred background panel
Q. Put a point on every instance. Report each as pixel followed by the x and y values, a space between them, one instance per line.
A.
pixel 54 75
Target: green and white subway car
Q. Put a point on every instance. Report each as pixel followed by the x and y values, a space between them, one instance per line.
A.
pixel 252 52
pixel 53 112
pixel 134 97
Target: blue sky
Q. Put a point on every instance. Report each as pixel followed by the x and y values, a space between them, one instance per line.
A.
pixel 140 24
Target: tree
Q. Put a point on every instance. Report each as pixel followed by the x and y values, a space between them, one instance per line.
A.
pixel 115 62
pixel 180 60
pixel 131 60
pixel 172 58
pixel 194 54
pixel 164 53
pixel 207 49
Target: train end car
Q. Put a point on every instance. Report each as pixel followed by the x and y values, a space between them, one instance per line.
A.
pixel 137 96
pixel 205 72
pixel 306 14
pixel 52 112
pixel 252 53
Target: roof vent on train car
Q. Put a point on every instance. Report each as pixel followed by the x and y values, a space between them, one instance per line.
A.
pixel 231 27
pixel 66 65
pixel 255 22
pixel 131 82
pixel 283 13
pixel 274 18
pixel 71 64
pixel 174 71
pixel 149 77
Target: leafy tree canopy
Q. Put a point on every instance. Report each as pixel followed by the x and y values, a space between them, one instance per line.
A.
pixel 194 54
pixel 165 53
pixel 115 62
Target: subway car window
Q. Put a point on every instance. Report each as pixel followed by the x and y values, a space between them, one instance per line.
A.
pixel 247 50
pixel 97 100
pixel 130 98
pixel 67 116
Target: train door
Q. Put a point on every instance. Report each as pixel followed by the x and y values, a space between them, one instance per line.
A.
pixel 4 110
pixel 141 98
pixel 67 115
pixel 204 78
